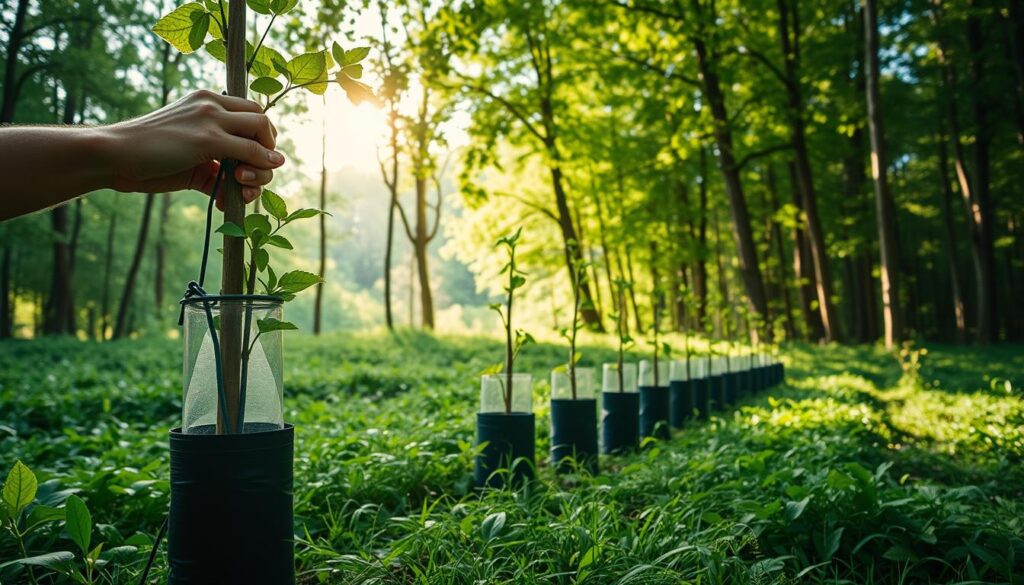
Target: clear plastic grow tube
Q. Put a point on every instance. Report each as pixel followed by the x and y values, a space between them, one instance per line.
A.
pixel 249 399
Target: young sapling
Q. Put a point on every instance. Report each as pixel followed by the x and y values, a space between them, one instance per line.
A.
pixel 624 340
pixel 516 339
pixel 221 31
pixel 570 334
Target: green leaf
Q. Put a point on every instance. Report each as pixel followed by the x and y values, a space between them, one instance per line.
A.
pixel 231 229
pixel 262 258
pixel 282 6
pixel 200 26
pixel 588 557
pixel 78 522
pixel 271 324
pixel 354 71
pixel 271 279
pixel 306 68
pixel 176 28
pixel 795 509
pixel 217 50
pixel 94 554
pixel 212 6
pixel 264 61
pixel 320 87
pixel 493 370
pixel 41 514
pixel 254 222
pixel 302 214
pixel 19 488
pixel 259 6
pixel 338 53
pixel 274 204
pixel 354 55
pixel 297 280
pixel 280 242
pixel 357 91
pixel 55 561
pixel 510 240
pixel 492 525
pixel 266 85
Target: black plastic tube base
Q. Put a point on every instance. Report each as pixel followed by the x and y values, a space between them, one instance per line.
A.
pixel 702 397
pixel 654 412
pixel 620 422
pixel 574 434
pixel 715 390
pixel 681 402
pixel 730 389
pixel 230 521
pixel 510 446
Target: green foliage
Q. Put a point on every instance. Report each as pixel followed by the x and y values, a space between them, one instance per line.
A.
pixel 844 474
pixel 188 28
pixel 261 230
pixel 513 344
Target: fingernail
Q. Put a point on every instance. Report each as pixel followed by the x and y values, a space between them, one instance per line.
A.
pixel 275 157
pixel 250 194
pixel 248 175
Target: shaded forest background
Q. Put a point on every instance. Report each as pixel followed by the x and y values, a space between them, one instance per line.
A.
pixel 822 170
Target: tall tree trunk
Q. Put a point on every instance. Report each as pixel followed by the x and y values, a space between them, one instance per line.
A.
pixel 573 256
pixel 108 264
pixel 776 241
pixel 128 292
pixel 747 251
pixel 588 253
pixel 322 269
pixel 884 207
pixel 422 240
pixel 723 289
pixel 58 305
pixel 392 184
pixel 10 83
pixel 160 252
pixel 76 231
pixel 606 250
pixel 637 318
pixel 700 273
pixel 950 240
pixel 805 181
pixel 979 204
pixel 807 280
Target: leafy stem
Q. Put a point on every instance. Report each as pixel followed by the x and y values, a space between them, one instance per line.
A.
pixel 513 344
pixel 248 66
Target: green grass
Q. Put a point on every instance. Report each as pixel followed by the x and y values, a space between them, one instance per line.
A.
pixel 855 471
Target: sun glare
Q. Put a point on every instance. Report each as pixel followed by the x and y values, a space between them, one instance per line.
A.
pixel 354 134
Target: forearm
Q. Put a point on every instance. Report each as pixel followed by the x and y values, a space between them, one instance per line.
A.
pixel 45 166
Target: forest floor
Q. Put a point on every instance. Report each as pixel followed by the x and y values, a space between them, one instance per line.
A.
pixel 856 470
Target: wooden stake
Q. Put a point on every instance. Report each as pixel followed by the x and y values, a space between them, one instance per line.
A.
pixel 234 248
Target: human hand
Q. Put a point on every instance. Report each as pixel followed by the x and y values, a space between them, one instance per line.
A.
pixel 180 146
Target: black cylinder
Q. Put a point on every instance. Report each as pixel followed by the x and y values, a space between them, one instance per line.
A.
pixel 654 412
pixel 681 402
pixel 702 396
pixel 574 434
pixel 714 392
pixel 510 446
pixel 730 390
pixel 620 421
pixel 230 521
